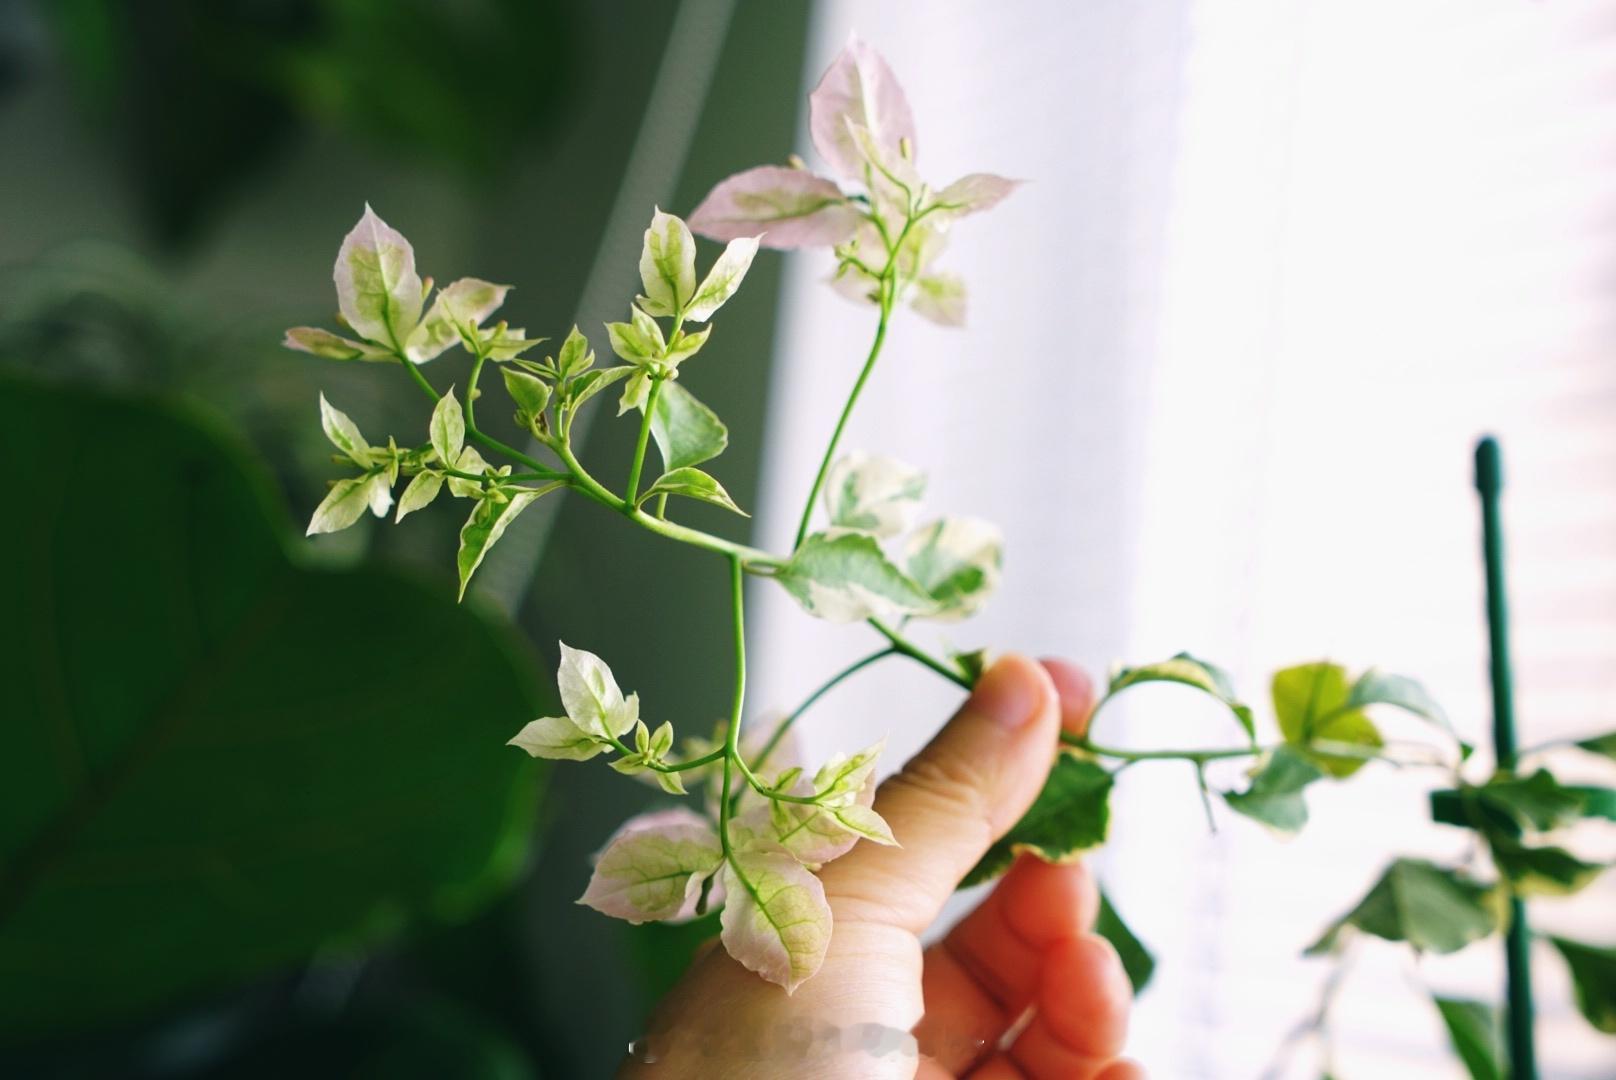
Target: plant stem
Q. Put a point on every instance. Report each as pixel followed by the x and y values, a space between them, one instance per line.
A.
pixel 901 644
pixel 808 702
pixel 847 410
pixel 732 737
pixel 486 441
pixel 633 488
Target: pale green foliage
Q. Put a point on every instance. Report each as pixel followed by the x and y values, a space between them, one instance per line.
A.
pixel 596 711
pixel 455 315
pixel 419 492
pixel 447 430
pixel 692 483
pixel 1188 671
pixel 686 431
pixel 1312 703
pixel 873 494
pixel 323 343
pixel 1275 795
pixel 489 519
pixel 349 498
pixel 378 291
pixel 723 279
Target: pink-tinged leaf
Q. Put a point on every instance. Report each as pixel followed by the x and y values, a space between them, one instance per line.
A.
pixel 311 339
pixel 775 920
pixel 652 869
pixel 972 194
pixel 378 290
pixel 858 86
pixel 790 207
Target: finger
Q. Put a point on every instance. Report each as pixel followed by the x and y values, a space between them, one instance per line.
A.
pixel 952 800
pixel 1076 691
pixel 999 1068
pixel 1081 1022
pixel 981 977
pixel 1123 1070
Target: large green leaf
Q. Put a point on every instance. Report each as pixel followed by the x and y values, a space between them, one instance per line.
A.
pixel 1593 974
pixel 686 431
pixel 1071 814
pixel 217 761
pixel 1313 703
pixel 1476 1034
pixel 1432 908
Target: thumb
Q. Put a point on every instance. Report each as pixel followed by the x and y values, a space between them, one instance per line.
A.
pixel 953 800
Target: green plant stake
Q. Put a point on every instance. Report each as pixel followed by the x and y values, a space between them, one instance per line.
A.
pixel 1518 939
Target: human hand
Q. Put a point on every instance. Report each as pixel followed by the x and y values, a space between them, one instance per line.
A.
pixel 1028 946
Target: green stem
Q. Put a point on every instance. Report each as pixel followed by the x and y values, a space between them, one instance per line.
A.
pixel 732 737
pixel 812 699
pixel 488 442
pixel 903 645
pixel 633 490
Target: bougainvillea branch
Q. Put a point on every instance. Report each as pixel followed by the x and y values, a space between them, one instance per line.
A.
pixel 767 823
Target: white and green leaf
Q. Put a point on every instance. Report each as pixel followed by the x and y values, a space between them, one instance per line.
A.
pixel 958 562
pixel 591 696
pixel 419 492
pixel 667 265
pixel 640 340
pixel 488 521
pixel 311 339
pixel 456 313
pixel 447 428
pixel 686 431
pixel 344 434
pixel 723 279
pixel 531 393
pixel 692 483
pixel 1188 670
pixel 847 577
pixel 873 494
pixel 557 738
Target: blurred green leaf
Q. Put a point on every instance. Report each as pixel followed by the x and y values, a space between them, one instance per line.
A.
pixel 1431 907
pixel 1538 801
pixel 1601 744
pixel 1189 671
pixel 218 761
pixel 1593 974
pixel 1275 796
pixel 1313 702
pixel 1543 870
pixel 1477 1035
pixel 1136 958
pixel 1071 814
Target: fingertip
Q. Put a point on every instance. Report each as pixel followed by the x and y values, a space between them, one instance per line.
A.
pixel 1085 996
pixel 1013 692
pixel 1058 899
pixel 1123 1069
pixel 1076 693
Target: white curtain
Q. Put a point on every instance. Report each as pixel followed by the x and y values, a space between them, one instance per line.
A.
pixel 1278 266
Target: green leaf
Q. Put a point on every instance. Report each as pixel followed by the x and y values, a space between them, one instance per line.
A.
pixel 1275 796
pixel 847 578
pixel 1542 870
pixel 1593 974
pixel 447 429
pixel 531 394
pixel 488 521
pixel 638 341
pixel 684 345
pixel 221 764
pixel 590 383
pixel 1136 958
pixel 1477 1035
pixel 1380 688
pixel 1604 745
pixel 591 696
pixel 692 484
pixel 344 434
pixel 686 431
pixel 667 265
pixel 1432 908
pixel 1536 802
pixel 1071 815
pixel 1188 671
pixel 636 391
pixel 575 356
pixel 723 279
pixel 653 868
pixel 378 290
pixel 957 561
pixel 1312 703
pixel 1597 802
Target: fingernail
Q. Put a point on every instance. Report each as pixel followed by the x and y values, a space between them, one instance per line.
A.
pixel 1010 692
